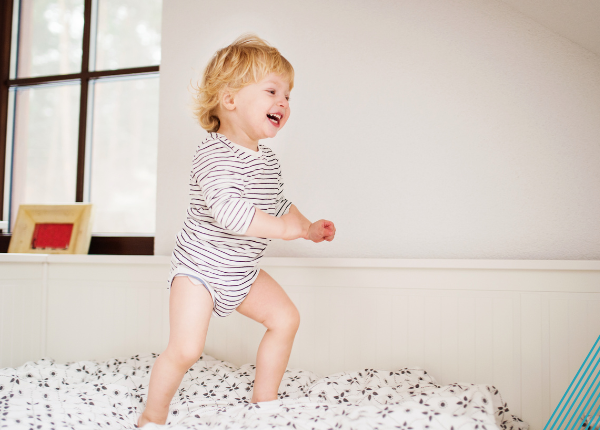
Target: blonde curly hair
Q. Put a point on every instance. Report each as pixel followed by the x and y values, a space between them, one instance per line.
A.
pixel 246 61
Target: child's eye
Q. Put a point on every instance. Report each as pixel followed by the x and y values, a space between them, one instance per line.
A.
pixel 271 91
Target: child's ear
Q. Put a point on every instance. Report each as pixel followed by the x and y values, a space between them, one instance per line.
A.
pixel 228 100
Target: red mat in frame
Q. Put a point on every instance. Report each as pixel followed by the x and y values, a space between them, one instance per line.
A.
pixel 52 236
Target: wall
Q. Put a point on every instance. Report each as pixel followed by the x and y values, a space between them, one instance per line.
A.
pixel 522 326
pixel 422 128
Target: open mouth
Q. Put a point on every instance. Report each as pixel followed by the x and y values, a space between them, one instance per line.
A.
pixel 275 118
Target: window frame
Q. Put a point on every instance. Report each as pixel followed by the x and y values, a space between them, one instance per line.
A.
pixel 101 243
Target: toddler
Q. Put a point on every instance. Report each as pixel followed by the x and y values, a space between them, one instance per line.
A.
pixel 237 206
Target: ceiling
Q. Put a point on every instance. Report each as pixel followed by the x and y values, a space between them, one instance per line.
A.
pixel 577 20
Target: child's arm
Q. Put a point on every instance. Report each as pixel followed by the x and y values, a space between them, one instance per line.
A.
pixel 290 226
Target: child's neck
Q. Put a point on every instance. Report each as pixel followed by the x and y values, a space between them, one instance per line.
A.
pixel 239 137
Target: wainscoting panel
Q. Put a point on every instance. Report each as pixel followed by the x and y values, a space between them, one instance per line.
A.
pixel 558 331
pixel 21 312
pixel 100 311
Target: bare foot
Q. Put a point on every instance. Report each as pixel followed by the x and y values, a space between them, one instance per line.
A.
pixel 144 419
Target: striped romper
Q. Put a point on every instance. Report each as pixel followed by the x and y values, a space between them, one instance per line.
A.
pixel 227 183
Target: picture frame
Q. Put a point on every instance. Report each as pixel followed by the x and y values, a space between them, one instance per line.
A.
pixel 52 229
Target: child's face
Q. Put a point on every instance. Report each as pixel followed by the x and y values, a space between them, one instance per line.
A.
pixel 262 109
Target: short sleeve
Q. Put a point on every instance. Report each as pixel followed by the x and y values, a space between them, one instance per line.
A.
pixel 223 188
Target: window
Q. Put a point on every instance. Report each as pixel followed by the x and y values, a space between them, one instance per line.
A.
pixel 79 113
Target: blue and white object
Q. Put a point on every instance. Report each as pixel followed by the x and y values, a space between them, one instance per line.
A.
pixel 580 405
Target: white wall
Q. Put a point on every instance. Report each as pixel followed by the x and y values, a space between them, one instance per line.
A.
pixel 577 20
pixel 422 128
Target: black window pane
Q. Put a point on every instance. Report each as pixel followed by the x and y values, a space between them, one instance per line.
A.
pixel 128 34
pixel 124 155
pixel 50 37
pixel 45 145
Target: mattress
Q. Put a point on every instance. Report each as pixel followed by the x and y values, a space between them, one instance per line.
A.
pixel 215 394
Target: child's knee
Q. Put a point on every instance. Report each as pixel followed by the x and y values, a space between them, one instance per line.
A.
pixel 294 320
pixel 287 320
pixel 185 356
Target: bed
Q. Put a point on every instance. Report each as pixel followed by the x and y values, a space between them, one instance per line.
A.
pixel 111 394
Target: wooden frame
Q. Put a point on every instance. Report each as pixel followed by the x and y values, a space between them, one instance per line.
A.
pixel 78 216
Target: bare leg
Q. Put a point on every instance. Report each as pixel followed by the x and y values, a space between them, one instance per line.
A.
pixel 269 305
pixel 190 308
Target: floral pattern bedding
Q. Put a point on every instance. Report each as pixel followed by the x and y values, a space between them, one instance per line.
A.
pixel 215 395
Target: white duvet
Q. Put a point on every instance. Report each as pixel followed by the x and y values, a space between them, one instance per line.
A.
pixel 214 395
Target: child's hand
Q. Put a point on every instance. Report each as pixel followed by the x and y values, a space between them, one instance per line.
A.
pixel 321 230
